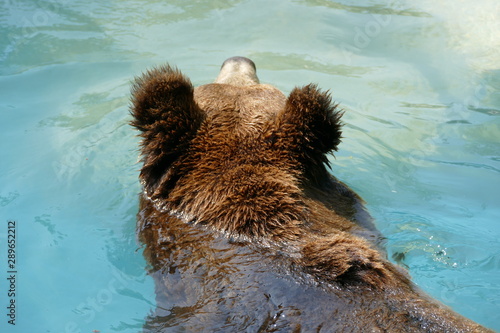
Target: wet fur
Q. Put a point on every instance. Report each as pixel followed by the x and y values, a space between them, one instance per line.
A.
pixel 244 169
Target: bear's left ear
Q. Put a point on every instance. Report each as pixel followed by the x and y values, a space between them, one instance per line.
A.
pixel 164 110
pixel 310 124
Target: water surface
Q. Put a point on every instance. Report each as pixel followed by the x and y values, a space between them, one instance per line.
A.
pixel 419 83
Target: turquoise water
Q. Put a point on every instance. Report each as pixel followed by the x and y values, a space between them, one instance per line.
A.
pixel 419 83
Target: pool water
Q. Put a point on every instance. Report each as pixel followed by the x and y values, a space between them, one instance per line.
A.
pixel 420 84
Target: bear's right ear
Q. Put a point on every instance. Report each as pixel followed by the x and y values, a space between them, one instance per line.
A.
pixel 309 126
pixel 165 112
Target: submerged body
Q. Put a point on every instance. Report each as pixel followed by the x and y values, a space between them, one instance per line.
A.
pixel 244 227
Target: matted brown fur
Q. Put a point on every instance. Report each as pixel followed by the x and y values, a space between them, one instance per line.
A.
pixel 235 169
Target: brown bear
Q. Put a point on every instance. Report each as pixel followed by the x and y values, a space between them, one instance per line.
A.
pixel 244 227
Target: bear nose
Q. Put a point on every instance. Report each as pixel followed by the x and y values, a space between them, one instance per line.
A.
pixel 238 71
pixel 239 59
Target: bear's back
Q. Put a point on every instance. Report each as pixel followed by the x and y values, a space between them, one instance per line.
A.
pixel 244 227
